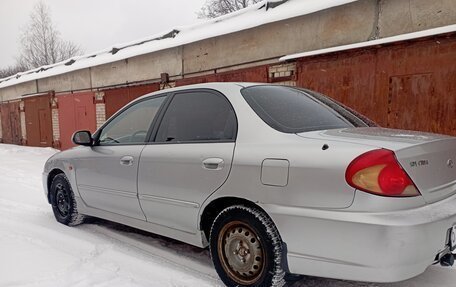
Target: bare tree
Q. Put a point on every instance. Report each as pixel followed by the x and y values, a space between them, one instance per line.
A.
pixel 41 43
pixel 12 70
pixel 216 8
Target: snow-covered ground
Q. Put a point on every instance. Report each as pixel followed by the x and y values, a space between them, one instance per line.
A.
pixel 35 250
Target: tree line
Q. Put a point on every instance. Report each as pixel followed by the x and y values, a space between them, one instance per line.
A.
pixel 40 43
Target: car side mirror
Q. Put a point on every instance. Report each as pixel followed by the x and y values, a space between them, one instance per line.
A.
pixel 83 138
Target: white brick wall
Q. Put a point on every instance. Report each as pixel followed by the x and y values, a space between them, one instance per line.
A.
pixel 286 83
pixel 55 125
pixel 100 111
pixel 1 132
pixel 283 70
pixel 23 123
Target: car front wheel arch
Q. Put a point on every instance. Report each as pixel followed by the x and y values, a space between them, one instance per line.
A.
pixel 52 174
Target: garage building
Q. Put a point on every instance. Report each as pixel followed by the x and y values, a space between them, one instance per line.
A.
pixel 392 60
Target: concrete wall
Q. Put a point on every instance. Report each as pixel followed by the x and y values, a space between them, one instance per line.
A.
pixel 336 26
pixel 150 66
pixel 406 16
pixel 355 22
pixel 109 74
pixel 76 80
pixel 15 92
pixel 140 68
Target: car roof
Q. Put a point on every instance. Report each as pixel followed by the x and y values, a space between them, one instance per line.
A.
pixel 212 85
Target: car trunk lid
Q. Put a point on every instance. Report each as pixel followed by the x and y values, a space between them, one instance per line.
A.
pixel 429 159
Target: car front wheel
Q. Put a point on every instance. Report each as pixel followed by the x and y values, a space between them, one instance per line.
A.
pixel 246 248
pixel 63 203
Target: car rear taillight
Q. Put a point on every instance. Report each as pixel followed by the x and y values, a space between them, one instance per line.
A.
pixel 379 172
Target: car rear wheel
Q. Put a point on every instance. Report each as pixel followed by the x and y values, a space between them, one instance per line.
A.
pixel 63 203
pixel 246 248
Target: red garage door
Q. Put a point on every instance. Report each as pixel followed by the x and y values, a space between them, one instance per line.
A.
pixel 38 121
pixel 76 112
pixel 115 99
pixel 11 123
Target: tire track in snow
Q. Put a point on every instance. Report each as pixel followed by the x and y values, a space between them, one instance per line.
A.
pixel 162 253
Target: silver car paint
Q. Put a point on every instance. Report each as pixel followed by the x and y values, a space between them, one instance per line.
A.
pixel 114 191
pixel 417 152
pixel 330 229
pixel 173 181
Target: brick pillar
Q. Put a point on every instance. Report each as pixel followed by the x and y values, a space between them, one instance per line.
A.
pixel 23 122
pixel 100 109
pixel 167 85
pixel 283 74
pixel 55 123
pixel 1 131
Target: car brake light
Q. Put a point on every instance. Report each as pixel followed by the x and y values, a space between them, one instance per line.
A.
pixel 379 172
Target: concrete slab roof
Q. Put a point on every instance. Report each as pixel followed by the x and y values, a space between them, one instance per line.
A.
pixel 256 15
pixel 398 38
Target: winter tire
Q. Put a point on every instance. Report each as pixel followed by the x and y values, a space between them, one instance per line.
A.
pixel 63 203
pixel 246 248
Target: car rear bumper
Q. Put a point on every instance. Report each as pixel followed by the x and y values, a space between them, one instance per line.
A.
pixel 363 246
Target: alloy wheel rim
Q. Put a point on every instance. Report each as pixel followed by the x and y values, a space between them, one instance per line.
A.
pixel 241 252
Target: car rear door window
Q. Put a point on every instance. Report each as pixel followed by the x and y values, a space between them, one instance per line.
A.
pixel 291 110
pixel 198 116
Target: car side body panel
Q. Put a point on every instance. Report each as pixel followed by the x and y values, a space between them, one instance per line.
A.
pixel 329 228
pixel 114 191
pixel 173 180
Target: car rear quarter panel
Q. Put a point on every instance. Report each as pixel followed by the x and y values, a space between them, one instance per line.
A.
pixel 316 176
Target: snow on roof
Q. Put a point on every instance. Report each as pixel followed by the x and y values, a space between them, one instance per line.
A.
pixel 256 15
pixel 403 37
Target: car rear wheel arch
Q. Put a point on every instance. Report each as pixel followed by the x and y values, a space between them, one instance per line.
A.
pixel 246 248
pixel 216 206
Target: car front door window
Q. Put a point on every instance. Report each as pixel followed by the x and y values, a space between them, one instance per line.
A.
pixel 132 125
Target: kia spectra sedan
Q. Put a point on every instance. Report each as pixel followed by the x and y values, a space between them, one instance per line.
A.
pixel 273 179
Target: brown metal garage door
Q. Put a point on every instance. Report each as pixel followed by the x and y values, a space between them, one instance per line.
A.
pixel 38 120
pixel 196 80
pixel 420 81
pixel 115 99
pixel 76 112
pixel 409 85
pixel 11 123
pixel 348 78
pixel 256 74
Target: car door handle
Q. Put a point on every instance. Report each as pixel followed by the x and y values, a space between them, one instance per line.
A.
pixel 126 160
pixel 213 163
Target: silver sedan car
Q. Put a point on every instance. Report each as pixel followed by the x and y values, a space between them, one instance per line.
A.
pixel 273 179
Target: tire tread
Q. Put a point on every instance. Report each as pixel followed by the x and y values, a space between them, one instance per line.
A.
pixel 278 272
pixel 75 217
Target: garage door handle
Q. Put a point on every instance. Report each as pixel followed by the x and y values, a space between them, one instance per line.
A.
pixel 213 163
pixel 126 160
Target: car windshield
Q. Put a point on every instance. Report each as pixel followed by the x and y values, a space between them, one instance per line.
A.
pixel 292 110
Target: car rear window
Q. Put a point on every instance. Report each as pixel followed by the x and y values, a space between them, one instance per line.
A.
pixel 292 110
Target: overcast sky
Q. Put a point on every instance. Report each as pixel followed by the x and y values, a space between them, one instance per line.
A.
pixel 95 24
